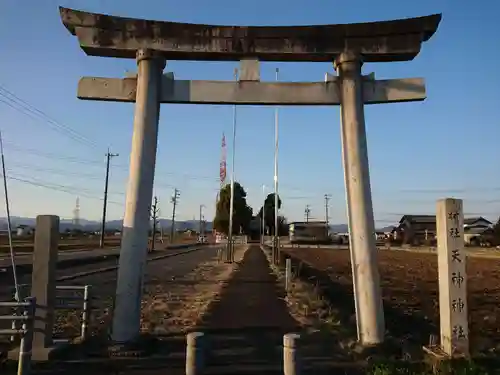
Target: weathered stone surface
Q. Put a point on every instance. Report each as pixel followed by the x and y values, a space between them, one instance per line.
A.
pixel 104 35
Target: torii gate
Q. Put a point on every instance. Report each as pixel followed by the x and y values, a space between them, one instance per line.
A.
pixel 151 43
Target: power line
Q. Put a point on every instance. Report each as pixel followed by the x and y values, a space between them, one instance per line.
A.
pixel 74 159
pixel 97 163
pixel 20 105
pixel 60 188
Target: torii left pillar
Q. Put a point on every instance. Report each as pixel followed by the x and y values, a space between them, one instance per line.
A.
pixel 127 312
pixel 364 259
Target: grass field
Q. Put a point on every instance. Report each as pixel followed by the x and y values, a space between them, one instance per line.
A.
pixel 409 283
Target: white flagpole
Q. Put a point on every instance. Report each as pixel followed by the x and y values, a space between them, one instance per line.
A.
pixel 231 204
pixel 276 199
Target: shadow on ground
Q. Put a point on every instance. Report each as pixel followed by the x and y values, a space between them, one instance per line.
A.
pixel 405 333
pixel 250 317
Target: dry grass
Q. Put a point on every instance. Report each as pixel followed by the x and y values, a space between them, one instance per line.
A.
pixel 177 306
pixel 306 305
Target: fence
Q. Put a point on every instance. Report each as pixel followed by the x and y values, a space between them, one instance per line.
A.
pixel 237 240
pixel 66 302
pixel 25 332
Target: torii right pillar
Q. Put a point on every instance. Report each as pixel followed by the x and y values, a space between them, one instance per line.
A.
pixel 364 257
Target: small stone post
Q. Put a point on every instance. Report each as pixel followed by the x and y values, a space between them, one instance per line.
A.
pixel 43 279
pixel 195 353
pixel 452 278
pixel 291 354
pixel 288 273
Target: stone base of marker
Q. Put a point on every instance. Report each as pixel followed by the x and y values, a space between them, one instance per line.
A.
pixel 437 359
pixel 41 354
pixel 142 346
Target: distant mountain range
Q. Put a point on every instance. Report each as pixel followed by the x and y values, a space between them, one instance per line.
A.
pixel 91 225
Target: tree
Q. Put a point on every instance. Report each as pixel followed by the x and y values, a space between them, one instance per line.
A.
pixel 242 213
pixel 269 204
pixel 496 233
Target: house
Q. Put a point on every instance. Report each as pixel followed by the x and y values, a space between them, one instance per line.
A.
pixel 477 222
pixel 308 232
pixel 475 227
pixel 415 229
pixel 24 230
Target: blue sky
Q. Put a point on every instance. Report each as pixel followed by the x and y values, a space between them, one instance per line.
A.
pixel 419 152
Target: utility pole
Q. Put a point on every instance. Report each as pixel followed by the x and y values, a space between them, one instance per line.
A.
pixel 174 199
pixel 307 212
pixel 263 214
pixel 201 219
pixel 327 198
pixel 154 215
pixel 103 224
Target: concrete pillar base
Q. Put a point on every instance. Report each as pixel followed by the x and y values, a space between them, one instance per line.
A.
pixel 40 354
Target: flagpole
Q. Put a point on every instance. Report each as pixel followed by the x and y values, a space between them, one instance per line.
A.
pixel 231 204
pixel 276 199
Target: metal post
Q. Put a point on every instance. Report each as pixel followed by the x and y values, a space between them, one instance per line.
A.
pixel 370 314
pixel 85 312
pixel 195 353
pixel 24 364
pixel 126 318
pixel 291 358
pixel 231 202
pixel 276 198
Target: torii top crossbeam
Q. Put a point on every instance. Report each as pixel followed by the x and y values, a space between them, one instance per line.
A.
pixel 110 36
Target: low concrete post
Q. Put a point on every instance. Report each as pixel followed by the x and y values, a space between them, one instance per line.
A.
pixel 291 354
pixel 288 273
pixel 195 353
pixel 85 312
pixel 452 278
pixel 25 348
pixel 43 279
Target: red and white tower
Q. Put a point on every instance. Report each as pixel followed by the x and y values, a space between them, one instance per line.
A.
pixel 222 169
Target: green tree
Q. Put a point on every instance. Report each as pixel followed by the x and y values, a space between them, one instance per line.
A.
pixel 269 204
pixel 242 213
pixel 496 233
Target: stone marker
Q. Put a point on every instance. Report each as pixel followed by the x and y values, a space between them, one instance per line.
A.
pixel 43 279
pixel 452 278
pixel 43 286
